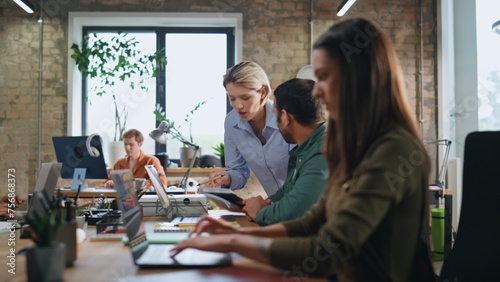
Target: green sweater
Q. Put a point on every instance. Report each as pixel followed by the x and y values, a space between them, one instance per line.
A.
pixel 375 229
pixel 305 181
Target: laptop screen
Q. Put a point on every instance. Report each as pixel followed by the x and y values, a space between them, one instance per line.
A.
pixel 131 210
pixel 162 195
pixel 44 189
pixel 47 178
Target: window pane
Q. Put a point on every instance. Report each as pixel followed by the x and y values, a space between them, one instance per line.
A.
pixel 196 64
pixel 488 46
pixel 139 104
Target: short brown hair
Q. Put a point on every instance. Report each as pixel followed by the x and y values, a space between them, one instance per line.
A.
pixel 134 133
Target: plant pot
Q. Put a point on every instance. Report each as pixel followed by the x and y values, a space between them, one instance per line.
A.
pixel 116 151
pixel 80 221
pixel 46 263
pixel 187 154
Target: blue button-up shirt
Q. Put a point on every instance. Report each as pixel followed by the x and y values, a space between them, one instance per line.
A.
pixel 244 151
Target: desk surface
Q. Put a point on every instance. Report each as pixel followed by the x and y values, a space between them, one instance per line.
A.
pixel 111 261
pixel 88 192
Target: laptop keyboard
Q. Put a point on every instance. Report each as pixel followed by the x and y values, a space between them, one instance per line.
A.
pixel 159 254
pixel 156 254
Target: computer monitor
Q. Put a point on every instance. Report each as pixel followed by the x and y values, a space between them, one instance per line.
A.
pixel 72 152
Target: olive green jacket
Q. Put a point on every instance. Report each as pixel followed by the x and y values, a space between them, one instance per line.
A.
pixel 374 232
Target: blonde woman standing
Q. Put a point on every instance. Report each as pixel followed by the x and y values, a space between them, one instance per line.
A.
pixel 252 140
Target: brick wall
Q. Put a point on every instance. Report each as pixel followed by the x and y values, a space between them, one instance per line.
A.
pixel 276 35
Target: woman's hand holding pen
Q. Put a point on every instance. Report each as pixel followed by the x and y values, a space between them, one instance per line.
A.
pixel 218 178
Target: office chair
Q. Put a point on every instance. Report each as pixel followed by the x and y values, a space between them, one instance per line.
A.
pixel 475 255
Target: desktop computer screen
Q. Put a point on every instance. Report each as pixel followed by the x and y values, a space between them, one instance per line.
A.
pixel 72 152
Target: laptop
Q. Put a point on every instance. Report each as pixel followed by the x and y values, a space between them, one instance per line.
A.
pixel 224 198
pixel 180 209
pixel 45 186
pixel 145 254
pixel 47 178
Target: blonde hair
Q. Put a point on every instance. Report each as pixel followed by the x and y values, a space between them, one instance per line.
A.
pixel 249 75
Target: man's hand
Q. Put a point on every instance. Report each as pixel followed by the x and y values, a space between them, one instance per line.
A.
pixel 254 205
pixel 4 210
pixel 7 203
pixel 108 184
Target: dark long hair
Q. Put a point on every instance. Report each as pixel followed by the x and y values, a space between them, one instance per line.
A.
pixel 372 97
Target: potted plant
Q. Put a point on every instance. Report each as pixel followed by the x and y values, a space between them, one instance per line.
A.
pixel 187 152
pixel 219 152
pixel 189 118
pixel 46 259
pixel 116 62
pixel 80 218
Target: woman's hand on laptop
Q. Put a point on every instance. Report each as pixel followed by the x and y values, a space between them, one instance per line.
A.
pixel 254 247
pixel 211 225
pixel 217 243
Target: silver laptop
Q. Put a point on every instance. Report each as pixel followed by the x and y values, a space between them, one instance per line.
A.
pixel 44 189
pixel 145 254
pixel 48 177
pixel 181 209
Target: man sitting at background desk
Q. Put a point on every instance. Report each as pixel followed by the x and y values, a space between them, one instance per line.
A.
pixel 136 160
pixel 301 120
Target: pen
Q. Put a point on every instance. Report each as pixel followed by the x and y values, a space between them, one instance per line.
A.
pixel 208 180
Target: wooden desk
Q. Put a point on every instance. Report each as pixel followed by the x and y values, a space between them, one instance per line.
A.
pixel 195 171
pixel 89 193
pixel 107 261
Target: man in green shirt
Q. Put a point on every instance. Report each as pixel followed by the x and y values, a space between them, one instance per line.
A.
pixel 301 121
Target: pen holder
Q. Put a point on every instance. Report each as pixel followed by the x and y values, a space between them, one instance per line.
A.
pixel 67 235
pixel 111 222
pixel 437 231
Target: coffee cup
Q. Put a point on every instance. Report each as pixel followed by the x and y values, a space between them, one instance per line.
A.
pixel 139 183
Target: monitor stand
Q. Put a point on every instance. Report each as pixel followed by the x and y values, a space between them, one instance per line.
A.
pixel 78 180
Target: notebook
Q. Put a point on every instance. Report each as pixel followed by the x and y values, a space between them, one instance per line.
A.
pixel 171 227
pixel 145 254
pixel 224 198
pixel 183 211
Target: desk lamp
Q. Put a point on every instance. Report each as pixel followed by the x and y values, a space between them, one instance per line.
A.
pixel 160 136
pixel 441 173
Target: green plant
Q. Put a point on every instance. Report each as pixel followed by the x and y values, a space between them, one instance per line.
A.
pixel 79 212
pixel 219 150
pixel 44 229
pixel 160 116
pixel 189 118
pixel 116 60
